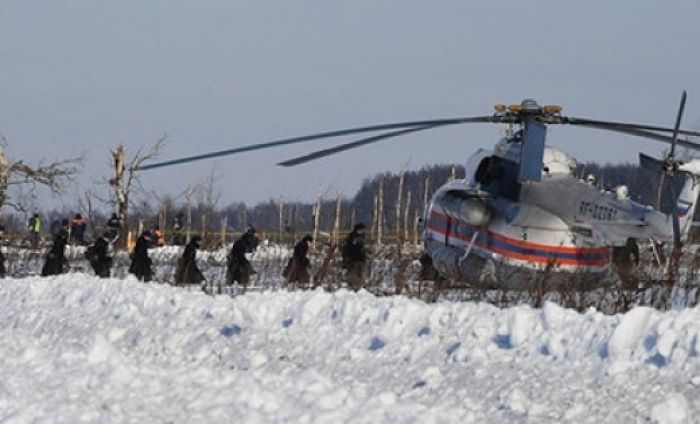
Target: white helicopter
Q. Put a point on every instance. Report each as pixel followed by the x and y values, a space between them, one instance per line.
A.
pixel 521 214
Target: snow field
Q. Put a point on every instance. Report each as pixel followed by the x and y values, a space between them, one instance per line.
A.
pixel 75 348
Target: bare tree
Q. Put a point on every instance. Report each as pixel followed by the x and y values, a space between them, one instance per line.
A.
pixel 54 175
pixel 127 176
pixel 209 200
pixel 86 205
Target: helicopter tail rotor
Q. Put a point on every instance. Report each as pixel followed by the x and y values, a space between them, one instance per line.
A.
pixel 666 169
pixel 671 168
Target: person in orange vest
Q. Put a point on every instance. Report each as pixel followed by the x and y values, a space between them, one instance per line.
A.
pixel 158 236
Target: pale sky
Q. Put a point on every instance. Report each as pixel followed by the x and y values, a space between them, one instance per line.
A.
pixel 86 75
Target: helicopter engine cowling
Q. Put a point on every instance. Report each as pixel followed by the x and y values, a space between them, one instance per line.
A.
pixel 472 211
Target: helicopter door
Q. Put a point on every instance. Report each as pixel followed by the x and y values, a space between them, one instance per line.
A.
pixel 499 176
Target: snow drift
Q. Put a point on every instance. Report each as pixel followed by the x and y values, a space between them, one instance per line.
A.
pixel 75 348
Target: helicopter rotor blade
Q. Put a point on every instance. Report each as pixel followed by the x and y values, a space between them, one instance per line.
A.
pixel 593 122
pixel 671 164
pixel 640 133
pixel 347 146
pixel 676 129
pixel 317 136
pixel 358 143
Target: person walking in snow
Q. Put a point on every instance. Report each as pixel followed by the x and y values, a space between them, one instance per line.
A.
pixel 56 258
pixel 297 269
pixel 140 262
pixel 99 255
pixel 239 268
pixel 113 226
pixel 78 227
pixel 354 257
pixel 187 271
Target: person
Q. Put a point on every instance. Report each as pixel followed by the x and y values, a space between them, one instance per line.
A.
pixel 34 227
pixel 140 262
pixel 178 239
pixel 2 256
pixel 625 257
pixel 253 240
pixel 55 227
pixel 158 236
pixel 297 269
pixel 239 268
pixel 78 226
pixel 99 255
pixel 187 271
pixel 113 226
pixel 56 259
pixel 354 256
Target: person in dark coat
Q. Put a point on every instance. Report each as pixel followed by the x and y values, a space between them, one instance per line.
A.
pixel 626 258
pixel 2 256
pixel 297 269
pixel 113 226
pixel 78 227
pixel 239 268
pixel 187 271
pixel 140 262
pixel 354 257
pixel 99 255
pixel 56 259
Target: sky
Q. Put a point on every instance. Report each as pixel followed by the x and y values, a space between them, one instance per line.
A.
pixel 84 76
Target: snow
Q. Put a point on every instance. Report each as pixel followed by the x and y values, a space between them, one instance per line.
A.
pixel 75 348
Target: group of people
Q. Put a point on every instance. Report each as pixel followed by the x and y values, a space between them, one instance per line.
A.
pixel 75 228
pixel 239 269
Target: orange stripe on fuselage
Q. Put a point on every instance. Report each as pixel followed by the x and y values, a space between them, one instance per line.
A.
pixel 544 249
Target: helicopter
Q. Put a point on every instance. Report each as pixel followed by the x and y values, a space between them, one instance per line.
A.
pixel 521 213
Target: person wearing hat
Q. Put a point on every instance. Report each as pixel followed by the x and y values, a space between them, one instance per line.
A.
pixel 140 262
pixel 354 257
pixel 56 258
pixel 239 268
pixel 187 271
pixel 114 225
pixel 252 240
pixel 99 255
pixel 297 269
